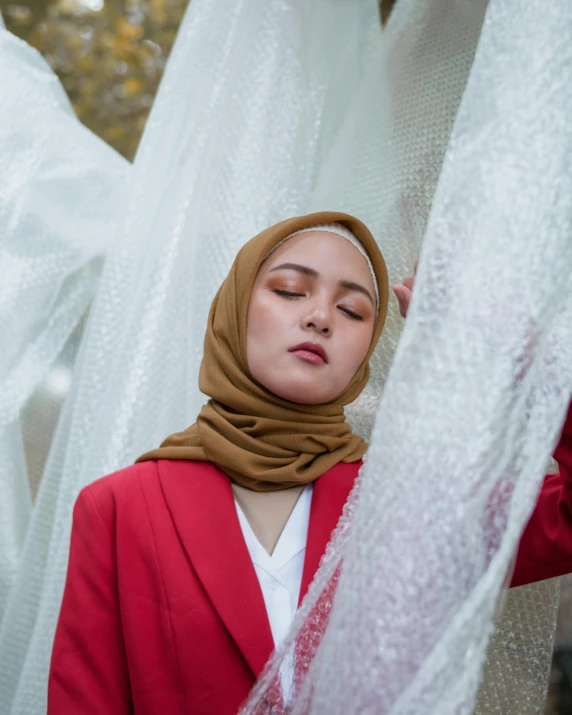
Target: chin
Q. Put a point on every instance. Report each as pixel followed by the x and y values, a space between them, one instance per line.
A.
pixel 301 394
pixel 305 399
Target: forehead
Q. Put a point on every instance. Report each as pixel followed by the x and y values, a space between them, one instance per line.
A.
pixel 320 250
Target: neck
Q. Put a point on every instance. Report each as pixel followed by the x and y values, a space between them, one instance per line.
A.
pixel 267 512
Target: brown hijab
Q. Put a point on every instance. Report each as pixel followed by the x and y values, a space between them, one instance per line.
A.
pixel 262 441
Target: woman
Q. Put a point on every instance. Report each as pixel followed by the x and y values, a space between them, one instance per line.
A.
pixel 186 568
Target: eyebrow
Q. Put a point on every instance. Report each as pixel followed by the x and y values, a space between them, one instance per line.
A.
pixel 350 285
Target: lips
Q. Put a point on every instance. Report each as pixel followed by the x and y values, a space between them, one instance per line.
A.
pixel 311 352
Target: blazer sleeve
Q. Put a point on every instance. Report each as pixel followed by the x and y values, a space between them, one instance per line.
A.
pixel 545 549
pixel 88 672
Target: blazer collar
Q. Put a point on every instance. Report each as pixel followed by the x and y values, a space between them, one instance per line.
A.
pixel 201 502
pixel 200 499
pixel 331 491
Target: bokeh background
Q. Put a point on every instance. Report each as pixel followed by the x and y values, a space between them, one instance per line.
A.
pixel 110 56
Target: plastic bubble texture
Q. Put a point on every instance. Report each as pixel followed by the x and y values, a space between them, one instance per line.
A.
pixel 271 108
pixel 399 616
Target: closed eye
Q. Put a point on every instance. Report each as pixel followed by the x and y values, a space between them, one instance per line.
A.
pixel 350 313
pixel 288 294
pixel 292 294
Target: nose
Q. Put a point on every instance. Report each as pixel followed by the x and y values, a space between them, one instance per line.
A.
pixel 318 319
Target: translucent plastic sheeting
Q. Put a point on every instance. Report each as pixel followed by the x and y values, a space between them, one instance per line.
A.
pixel 40 415
pixel 385 163
pixel 519 654
pixel 471 409
pixel 387 177
pixel 267 109
pixel 60 193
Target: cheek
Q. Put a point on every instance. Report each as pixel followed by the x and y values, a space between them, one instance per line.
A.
pixel 357 346
pixel 261 320
pixel 267 331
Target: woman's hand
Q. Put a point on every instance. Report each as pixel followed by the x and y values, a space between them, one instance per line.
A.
pixel 403 292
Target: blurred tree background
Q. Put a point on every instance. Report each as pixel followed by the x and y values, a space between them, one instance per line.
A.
pixel 110 56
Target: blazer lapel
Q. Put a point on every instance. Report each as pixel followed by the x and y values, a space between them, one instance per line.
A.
pixel 331 491
pixel 201 502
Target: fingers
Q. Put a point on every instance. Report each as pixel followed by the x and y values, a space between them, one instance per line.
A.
pixel 408 282
pixel 404 290
pixel 403 295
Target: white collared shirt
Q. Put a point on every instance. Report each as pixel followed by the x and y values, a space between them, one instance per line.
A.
pixel 280 574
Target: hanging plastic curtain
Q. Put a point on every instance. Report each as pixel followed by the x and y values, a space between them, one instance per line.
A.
pixel 471 409
pixel 60 193
pixel 388 177
pixel 269 109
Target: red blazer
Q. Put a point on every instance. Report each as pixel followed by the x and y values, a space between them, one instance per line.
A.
pixel 162 612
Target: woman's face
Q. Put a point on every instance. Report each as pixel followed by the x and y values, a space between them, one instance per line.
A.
pixel 311 318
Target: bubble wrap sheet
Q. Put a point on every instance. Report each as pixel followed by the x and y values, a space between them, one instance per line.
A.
pixel 270 108
pixel 60 192
pixel 470 412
